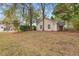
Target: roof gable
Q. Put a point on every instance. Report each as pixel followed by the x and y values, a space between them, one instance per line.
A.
pixel 46 19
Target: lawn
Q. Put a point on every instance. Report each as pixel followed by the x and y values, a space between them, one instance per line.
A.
pixel 39 43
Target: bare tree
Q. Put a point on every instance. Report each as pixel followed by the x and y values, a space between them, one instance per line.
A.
pixel 43 13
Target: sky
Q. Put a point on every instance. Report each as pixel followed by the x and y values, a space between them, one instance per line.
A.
pixel 1 14
pixel 48 9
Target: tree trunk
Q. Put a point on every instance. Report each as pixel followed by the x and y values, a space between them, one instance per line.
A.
pixel 67 25
pixel 30 15
pixel 43 11
pixel 43 20
pixel 23 14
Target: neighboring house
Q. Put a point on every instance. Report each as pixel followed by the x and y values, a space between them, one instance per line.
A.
pixel 2 27
pixel 49 25
pixel 8 28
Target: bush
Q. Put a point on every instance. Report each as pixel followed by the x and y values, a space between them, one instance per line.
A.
pixel 33 27
pixel 76 24
pixel 24 27
pixel 16 24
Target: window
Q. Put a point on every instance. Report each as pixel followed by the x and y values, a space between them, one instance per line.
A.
pixel 33 21
pixel 1 27
pixel 40 26
pixel 48 26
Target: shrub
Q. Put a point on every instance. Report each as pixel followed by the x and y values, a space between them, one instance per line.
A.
pixel 76 24
pixel 16 24
pixel 33 27
pixel 24 27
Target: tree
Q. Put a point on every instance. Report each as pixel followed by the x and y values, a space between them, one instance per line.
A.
pixel 16 24
pixel 64 12
pixel 75 17
pixel 10 14
pixel 11 17
pixel 68 13
pixel 43 13
pixel 35 14
pixel 52 17
pixel 30 14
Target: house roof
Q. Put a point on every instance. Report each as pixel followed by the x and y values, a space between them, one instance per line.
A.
pixel 40 20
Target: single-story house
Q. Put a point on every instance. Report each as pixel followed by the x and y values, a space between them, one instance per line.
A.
pixel 49 25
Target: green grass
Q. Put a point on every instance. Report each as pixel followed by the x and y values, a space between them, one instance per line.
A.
pixel 39 43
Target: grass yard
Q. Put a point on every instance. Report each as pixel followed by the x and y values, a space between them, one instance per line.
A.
pixel 39 43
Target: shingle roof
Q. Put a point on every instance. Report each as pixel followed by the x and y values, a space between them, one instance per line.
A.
pixel 39 20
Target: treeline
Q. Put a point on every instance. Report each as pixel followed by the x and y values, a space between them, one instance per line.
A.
pixel 69 13
pixel 17 12
pixel 25 12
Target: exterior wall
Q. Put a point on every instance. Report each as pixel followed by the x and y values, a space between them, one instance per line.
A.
pixel 53 26
pixel 38 27
pixel 2 27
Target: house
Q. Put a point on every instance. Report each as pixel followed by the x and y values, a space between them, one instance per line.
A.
pixel 6 28
pixel 2 27
pixel 49 25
